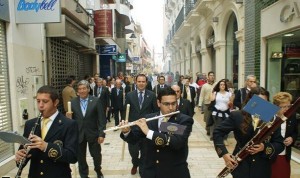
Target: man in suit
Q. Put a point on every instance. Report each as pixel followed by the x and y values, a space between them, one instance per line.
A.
pixel 102 92
pixel 189 92
pixel 166 153
pixel 142 102
pixel 117 100
pixel 241 94
pixel 161 84
pixel 88 112
pixel 183 105
pixel 54 142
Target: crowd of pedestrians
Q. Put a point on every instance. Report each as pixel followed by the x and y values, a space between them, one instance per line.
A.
pixel 154 150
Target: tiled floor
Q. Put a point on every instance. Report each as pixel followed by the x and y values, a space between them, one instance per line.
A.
pixel 203 161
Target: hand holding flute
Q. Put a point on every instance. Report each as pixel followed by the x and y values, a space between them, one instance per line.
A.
pixel 124 124
pixel 142 123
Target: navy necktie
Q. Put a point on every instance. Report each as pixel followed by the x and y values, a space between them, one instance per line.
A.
pixel 140 98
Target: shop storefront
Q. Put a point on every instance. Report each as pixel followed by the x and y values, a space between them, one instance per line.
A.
pixel 6 150
pixel 70 51
pixel 281 49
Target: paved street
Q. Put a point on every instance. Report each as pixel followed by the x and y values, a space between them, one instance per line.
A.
pixel 203 161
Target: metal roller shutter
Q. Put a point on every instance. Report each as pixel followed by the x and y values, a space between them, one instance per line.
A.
pixel 63 61
pixel 6 150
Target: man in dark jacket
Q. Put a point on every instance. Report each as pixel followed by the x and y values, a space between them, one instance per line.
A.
pixel 142 102
pixel 88 112
pixel 54 141
pixel 241 94
pixel 166 152
pixel 117 100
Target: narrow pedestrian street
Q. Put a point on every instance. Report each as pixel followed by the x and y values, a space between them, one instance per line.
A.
pixel 203 161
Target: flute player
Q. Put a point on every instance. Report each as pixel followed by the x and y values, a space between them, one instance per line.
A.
pixel 54 141
pixel 166 151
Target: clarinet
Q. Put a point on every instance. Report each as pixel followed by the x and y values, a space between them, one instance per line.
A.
pixel 266 130
pixel 23 161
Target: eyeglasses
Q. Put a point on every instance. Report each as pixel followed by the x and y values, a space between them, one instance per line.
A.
pixel 169 104
pixel 252 81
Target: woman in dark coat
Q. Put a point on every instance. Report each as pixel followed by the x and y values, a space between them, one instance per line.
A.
pixel 258 163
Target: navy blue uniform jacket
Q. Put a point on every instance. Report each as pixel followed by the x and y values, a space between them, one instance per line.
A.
pixel 164 159
pixel 254 166
pixel 62 139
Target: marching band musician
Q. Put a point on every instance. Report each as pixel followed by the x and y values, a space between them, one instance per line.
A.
pixel 258 163
pixel 281 167
pixel 165 152
pixel 55 140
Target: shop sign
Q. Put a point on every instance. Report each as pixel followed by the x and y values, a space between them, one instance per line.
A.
pixel 289 11
pixel 122 57
pixel 103 23
pixel 37 11
pixel 135 59
pixel 107 49
pixel 4 10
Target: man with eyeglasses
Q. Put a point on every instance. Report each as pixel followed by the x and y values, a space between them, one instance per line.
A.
pixel 241 94
pixel 183 105
pixel 167 152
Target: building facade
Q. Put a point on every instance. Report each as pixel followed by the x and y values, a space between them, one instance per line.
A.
pixel 206 36
pixel 236 38
pixel 280 50
pixel 33 54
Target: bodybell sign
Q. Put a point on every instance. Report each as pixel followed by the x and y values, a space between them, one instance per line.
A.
pixel 37 11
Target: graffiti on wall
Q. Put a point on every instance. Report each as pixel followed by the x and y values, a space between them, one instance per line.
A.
pixel 31 70
pixel 22 84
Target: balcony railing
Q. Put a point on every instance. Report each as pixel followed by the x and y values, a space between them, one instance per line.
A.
pixel 185 10
pixel 189 5
pixel 179 19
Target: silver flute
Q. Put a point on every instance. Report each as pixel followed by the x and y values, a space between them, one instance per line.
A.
pixel 134 123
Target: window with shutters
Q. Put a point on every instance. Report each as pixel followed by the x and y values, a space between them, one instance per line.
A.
pixel 6 150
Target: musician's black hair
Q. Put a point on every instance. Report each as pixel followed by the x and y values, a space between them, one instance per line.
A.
pixel 165 92
pixel 49 90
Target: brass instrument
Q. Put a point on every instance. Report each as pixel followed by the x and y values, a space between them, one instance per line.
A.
pixel 266 129
pixel 23 161
pixel 133 123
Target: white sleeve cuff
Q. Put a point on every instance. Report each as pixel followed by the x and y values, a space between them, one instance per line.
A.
pixel 150 134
